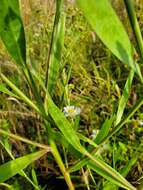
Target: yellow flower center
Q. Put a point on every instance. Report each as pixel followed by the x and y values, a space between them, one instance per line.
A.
pixel 71 111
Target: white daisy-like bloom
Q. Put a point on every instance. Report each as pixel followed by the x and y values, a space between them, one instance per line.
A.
pixel 141 123
pixel 71 111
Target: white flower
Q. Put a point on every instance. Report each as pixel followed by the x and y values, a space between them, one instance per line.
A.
pixel 141 123
pixel 71 111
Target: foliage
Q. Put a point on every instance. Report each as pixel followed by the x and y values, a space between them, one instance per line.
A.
pixel 67 64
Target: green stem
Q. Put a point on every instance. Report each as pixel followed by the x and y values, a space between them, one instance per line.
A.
pixel 7 185
pixel 24 140
pixel 61 165
pixel 135 25
pixel 18 92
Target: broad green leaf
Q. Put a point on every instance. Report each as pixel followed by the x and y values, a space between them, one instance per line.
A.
pixel 12 31
pixel 56 47
pixel 13 167
pixel 12 34
pixel 124 98
pixel 110 30
pixel 5 143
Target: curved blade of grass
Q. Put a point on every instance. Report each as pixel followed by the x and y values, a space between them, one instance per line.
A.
pixel 125 170
pixel 12 34
pixel 104 130
pixel 12 31
pixel 56 47
pixel 86 139
pixel 63 124
pixel 13 167
pixel 6 145
pixel 124 97
pixel 19 92
pixel 110 177
pixel 9 187
pixel 110 30
pixel 6 91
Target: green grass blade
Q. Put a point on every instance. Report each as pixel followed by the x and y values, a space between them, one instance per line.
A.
pixel 4 142
pixel 19 92
pixel 4 89
pixel 124 98
pixel 110 30
pixel 56 49
pixel 120 181
pixel 13 167
pixel 104 130
pixel 125 170
pixel 12 31
pixel 86 139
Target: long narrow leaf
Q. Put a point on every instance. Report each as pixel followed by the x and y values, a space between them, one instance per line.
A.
pixel 108 185
pixel 56 49
pixel 104 130
pixel 19 92
pixel 110 177
pixel 12 31
pixel 124 97
pixel 13 167
pixel 63 124
pixel 110 30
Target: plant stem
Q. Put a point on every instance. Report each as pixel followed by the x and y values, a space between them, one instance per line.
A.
pixel 135 25
pixel 7 185
pixel 19 93
pixel 25 140
pixel 61 165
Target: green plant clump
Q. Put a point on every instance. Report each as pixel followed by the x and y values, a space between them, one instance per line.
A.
pixel 71 94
